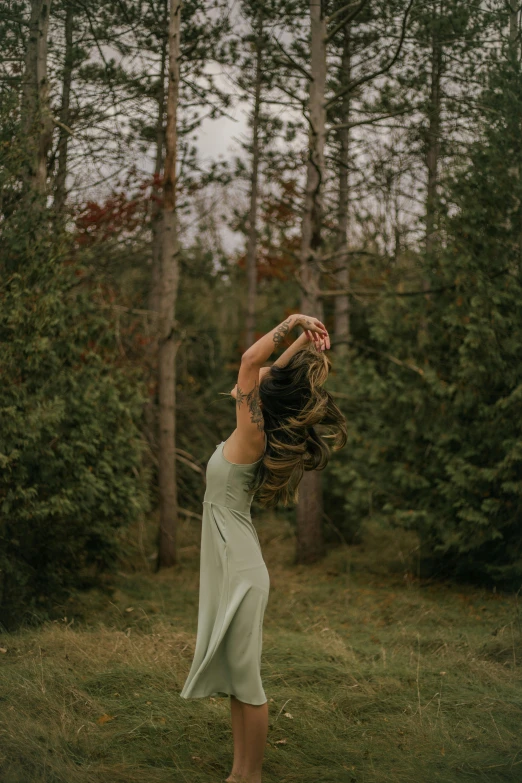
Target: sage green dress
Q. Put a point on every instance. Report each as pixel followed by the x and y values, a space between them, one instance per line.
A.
pixel 233 590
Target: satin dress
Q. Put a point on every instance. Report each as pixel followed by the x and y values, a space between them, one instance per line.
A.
pixel 234 586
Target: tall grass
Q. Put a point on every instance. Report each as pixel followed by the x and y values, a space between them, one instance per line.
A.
pixel 371 675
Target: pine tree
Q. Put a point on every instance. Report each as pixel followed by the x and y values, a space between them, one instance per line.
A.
pixel 436 428
pixel 479 367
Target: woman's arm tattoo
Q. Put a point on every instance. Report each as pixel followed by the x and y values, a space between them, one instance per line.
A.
pixel 256 414
pixel 252 399
pixel 281 331
pixel 240 396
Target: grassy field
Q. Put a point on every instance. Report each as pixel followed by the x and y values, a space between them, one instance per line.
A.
pixel 371 676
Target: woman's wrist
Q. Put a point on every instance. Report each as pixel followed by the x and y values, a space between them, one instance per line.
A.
pixel 284 327
pixel 259 352
pixel 292 349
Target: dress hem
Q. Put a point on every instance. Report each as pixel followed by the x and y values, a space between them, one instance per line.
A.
pixel 224 693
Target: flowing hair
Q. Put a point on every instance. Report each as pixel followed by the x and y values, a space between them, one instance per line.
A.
pixel 293 404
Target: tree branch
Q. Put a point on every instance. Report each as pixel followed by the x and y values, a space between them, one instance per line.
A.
pixel 399 362
pixel 346 20
pixel 65 127
pixel 291 95
pixel 295 64
pixel 369 77
pixel 133 310
pixel 367 121
pixel 339 12
pixel 359 292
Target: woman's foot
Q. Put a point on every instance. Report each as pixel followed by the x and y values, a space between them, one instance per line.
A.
pixel 234 777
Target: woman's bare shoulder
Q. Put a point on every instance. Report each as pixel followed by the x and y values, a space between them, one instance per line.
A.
pixel 243 449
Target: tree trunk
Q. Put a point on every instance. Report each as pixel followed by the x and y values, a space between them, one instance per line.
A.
pixel 60 193
pixel 151 407
pixel 37 124
pixel 156 218
pixel 251 258
pixel 310 546
pixel 342 303
pixel 313 204
pixel 167 336
pixel 433 148
pixel 514 25
pixel 514 46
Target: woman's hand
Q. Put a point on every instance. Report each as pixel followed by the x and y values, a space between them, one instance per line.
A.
pixel 315 331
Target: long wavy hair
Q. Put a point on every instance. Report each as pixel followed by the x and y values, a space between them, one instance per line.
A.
pixel 294 403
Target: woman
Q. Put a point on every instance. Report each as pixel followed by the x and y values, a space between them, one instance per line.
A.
pixel 273 444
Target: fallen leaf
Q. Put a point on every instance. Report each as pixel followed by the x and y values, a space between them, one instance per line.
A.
pixel 287 715
pixel 280 742
pixel 3 649
pixel 104 719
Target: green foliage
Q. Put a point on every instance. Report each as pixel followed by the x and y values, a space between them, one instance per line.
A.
pixel 70 447
pixel 436 433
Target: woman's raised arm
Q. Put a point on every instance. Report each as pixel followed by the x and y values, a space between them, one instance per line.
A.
pixel 247 440
pixel 292 349
pixel 259 352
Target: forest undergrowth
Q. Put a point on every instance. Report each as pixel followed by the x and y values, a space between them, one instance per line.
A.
pixel 372 675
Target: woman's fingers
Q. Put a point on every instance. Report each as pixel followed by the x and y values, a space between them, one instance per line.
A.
pixel 321 342
pixel 324 337
pixel 325 342
pixel 313 324
pixel 315 330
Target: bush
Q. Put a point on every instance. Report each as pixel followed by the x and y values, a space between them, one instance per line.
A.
pixel 71 470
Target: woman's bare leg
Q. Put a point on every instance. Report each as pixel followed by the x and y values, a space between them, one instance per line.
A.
pixel 255 731
pixel 236 711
